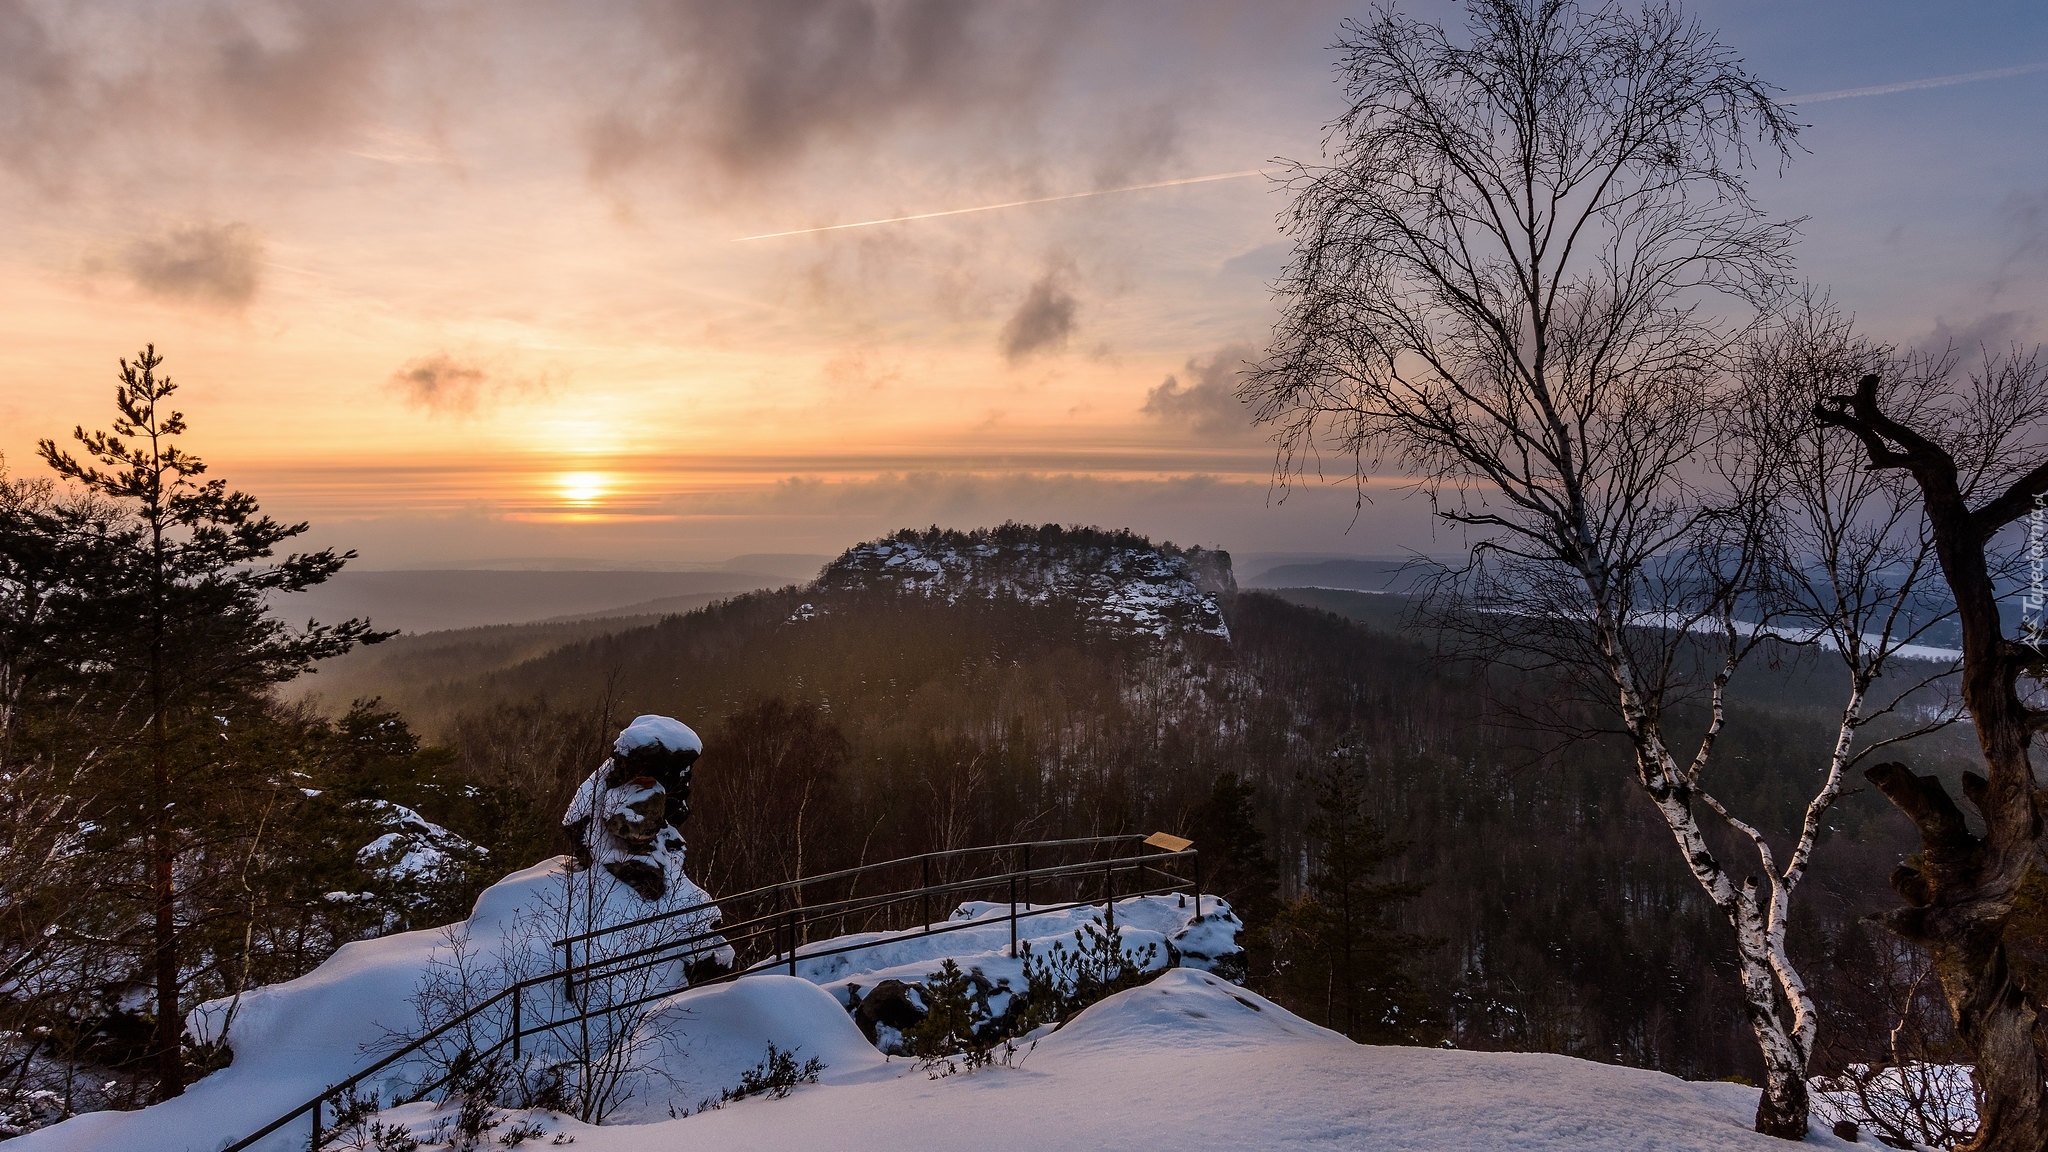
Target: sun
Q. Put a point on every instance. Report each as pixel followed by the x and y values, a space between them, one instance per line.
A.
pixel 582 488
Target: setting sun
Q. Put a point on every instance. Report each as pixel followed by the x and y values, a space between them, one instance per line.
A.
pixel 583 488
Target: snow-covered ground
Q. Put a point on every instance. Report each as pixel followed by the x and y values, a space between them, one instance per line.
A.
pixel 1185 1061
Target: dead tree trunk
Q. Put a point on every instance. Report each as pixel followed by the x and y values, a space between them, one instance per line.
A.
pixel 1962 895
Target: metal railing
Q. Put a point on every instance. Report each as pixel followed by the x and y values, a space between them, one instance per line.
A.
pixel 774 938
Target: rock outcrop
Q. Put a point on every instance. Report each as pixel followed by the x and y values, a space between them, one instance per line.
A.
pixel 626 816
pixel 1122 582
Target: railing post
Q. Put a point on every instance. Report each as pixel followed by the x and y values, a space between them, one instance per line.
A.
pixel 1013 917
pixel 1196 863
pixel 1027 875
pixel 314 1144
pixel 1109 896
pixel 924 897
pixel 516 1029
pixel 790 920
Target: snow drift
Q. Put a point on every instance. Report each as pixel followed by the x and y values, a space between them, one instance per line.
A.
pixel 1188 1060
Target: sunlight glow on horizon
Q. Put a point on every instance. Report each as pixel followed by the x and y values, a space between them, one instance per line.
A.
pixel 583 489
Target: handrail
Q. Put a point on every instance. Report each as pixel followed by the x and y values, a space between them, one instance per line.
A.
pixel 790 920
pixel 815 912
pixel 801 881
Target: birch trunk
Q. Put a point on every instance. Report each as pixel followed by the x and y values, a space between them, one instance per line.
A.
pixel 1780 1010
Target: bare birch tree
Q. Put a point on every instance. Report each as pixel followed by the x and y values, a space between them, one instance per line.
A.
pixel 1502 283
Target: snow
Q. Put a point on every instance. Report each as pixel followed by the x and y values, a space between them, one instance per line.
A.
pixel 717 1034
pixel 1928 1103
pixel 1185 1061
pixel 977 938
pixel 292 1039
pixel 1192 1062
pixel 658 731
pixel 1121 584
pixel 416 848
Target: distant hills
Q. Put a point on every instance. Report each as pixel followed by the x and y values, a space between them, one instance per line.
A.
pixel 1403 577
pixel 528 591
pixel 435 599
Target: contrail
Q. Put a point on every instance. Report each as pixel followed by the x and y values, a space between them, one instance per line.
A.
pixel 1916 85
pixel 1009 204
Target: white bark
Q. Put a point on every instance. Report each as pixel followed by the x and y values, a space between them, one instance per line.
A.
pixel 1772 987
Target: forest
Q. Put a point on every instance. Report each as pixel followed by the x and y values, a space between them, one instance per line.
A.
pixel 1513 890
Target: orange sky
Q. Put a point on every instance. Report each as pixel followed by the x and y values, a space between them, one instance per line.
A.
pixel 460 280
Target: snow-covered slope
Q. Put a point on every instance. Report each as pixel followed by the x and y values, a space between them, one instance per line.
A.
pixel 1185 1062
pixel 1123 583
pixel 292 1039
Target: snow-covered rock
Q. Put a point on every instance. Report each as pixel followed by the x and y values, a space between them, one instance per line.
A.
pixel 1122 583
pixel 626 816
pixel 413 849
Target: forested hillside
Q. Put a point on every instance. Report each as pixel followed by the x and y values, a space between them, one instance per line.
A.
pixel 1526 889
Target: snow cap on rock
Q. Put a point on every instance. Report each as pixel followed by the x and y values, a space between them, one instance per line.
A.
pixel 660 731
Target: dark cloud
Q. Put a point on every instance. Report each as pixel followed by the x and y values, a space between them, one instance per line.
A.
pixel 262 81
pixel 718 95
pixel 1207 403
pixel 40 92
pixel 220 265
pixel 441 384
pixel 447 385
pixel 1043 322
pixel 757 87
pixel 298 71
pixel 1138 144
pixel 765 79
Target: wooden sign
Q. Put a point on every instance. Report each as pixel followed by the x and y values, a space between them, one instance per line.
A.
pixel 1167 841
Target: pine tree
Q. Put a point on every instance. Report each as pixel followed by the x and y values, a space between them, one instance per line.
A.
pixel 1337 941
pixel 1236 862
pixel 180 626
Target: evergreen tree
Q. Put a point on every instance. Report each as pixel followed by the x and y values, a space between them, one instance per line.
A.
pixel 1236 863
pixel 180 625
pixel 1337 940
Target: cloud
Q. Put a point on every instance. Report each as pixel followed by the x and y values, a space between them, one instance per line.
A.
pixel 447 385
pixel 756 86
pixel 235 84
pixel 1918 85
pixel 220 265
pixel 38 89
pixel 1263 263
pixel 1043 322
pixel 2025 219
pixel 441 384
pixel 1207 404
pixel 1993 331
pixel 299 71
pixel 812 515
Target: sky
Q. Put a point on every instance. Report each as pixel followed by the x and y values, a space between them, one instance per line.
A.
pixel 490 282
